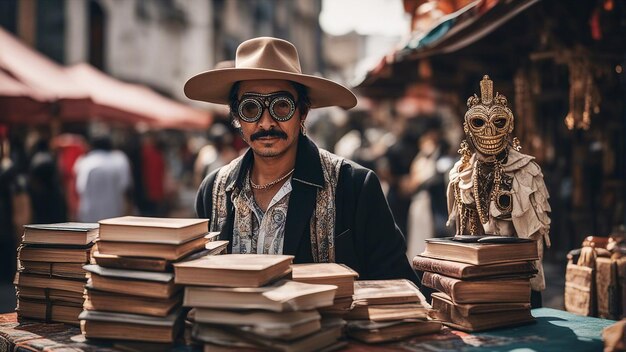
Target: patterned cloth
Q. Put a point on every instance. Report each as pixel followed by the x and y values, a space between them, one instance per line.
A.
pixel 322 227
pixel 256 231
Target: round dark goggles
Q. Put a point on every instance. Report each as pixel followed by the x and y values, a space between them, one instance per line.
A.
pixel 281 106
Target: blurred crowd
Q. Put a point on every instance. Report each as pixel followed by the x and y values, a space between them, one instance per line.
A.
pixel 46 178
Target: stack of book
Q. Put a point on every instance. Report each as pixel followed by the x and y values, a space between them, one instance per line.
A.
pixel 131 294
pixel 50 277
pixel 329 274
pixel 245 301
pixel 388 310
pixel 481 285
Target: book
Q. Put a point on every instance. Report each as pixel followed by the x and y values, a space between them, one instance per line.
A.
pixel 47 282
pixel 132 282
pixel 62 312
pixel 122 303
pixel 153 250
pixel 480 253
pixel 326 273
pixel 388 312
pixel 232 270
pixel 277 325
pixel 379 332
pixel 466 271
pixel 341 306
pixel 152 230
pixel 281 296
pixel 60 270
pixel 483 291
pixel 119 326
pixel 154 264
pixel 397 291
pixel 70 233
pixel 235 338
pixel 55 254
pixel 47 294
pixel 479 317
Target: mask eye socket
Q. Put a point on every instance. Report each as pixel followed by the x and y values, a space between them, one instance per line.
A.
pixel 477 123
pixel 499 122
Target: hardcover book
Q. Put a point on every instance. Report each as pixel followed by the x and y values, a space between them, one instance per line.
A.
pixel 480 253
pixel 132 282
pixel 327 273
pixel 123 303
pixel 70 233
pixel 166 251
pixel 478 317
pixel 484 291
pixel 119 326
pixel 466 271
pixel 280 296
pixel 232 270
pixel 151 230
pixel 368 292
pixel 379 332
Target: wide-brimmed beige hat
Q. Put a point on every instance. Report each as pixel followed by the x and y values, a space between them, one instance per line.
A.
pixel 266 58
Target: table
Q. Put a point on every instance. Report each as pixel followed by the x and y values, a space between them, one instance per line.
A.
pixel 555 330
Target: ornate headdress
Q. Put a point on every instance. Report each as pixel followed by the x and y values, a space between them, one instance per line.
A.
pixel 488 121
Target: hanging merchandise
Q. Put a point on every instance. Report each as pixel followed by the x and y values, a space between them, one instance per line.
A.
pixel 584 96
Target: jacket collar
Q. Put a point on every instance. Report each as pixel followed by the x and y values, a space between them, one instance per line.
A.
pixel 308 169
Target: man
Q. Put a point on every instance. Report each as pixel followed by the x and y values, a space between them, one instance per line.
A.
pixel 286 196
pixel 103 182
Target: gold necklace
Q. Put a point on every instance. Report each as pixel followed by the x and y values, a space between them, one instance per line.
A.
pixel 268 185
pixel 495 190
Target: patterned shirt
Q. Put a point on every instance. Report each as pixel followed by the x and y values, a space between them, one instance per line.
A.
pixel 256 231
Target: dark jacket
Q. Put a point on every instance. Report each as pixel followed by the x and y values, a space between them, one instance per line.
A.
pixel 366 236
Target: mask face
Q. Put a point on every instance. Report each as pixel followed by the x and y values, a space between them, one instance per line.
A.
pixel 488 122
pixel 489 128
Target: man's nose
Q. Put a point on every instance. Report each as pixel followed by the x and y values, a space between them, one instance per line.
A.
pixel 266 121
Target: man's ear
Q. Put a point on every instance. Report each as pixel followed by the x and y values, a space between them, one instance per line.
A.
pixel 235 122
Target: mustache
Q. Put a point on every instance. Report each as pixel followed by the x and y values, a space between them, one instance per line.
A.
pixel 268 133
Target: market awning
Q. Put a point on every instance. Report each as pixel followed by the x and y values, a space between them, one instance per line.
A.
pixel 34 70
pixel 19 103
pixel 451 33
pixel 117 100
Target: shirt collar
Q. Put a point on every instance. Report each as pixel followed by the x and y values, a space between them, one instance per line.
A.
pixel 308 168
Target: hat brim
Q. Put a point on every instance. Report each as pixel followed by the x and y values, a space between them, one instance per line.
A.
pixel 214 86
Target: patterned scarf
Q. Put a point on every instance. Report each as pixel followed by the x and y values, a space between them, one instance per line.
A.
pixel 323 220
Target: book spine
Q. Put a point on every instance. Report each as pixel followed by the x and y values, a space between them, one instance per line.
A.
pixel 438 266
pixel 439 283
pixel 513 268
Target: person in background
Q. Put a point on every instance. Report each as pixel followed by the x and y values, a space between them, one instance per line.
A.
pixel 103 182
pixel 44 186
pixel 217 153
pixel 153 173
pixel 15 209
pixel 426 183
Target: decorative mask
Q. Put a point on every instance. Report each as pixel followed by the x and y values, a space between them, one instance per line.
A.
pixel 488 121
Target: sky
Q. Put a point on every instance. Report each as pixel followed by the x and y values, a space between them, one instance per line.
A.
pixel 366 17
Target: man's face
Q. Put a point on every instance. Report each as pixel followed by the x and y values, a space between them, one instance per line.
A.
pixel 268 137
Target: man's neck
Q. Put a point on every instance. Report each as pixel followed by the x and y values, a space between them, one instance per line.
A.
pixel 268 169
